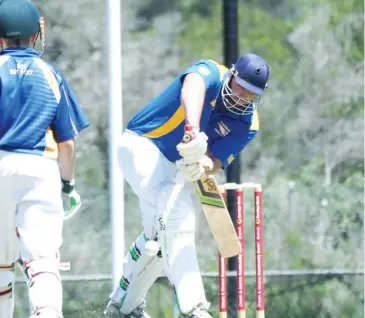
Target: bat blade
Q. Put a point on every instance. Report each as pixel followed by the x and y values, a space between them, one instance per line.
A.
pixel 218 218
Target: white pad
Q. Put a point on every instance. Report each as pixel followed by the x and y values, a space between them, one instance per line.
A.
pixel 145 271
pixel 176 229
pixel 182 269
pixel 45 289
pixel 6 291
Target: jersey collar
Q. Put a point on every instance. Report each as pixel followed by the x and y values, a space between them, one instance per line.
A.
pixel 19 51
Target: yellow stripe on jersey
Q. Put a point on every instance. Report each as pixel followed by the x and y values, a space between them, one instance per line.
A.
pixel 255 125
pixel 222 69
pixel 50 77
pixel 230 159
pixel 175 120
pixel 51 150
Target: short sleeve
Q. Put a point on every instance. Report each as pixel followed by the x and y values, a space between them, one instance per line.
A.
pixel 211 72
pixel 70 119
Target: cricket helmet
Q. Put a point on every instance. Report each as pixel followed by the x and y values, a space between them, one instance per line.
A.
pixel 18 19
pixel 251 72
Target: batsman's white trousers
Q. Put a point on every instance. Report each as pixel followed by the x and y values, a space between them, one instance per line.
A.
pixel 168 213
pixel 31 218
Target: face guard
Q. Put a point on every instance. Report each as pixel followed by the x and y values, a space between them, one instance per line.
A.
pixel 234 103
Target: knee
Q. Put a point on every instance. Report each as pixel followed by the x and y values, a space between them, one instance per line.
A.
pixel 38 268
pixel 6 280
pixel 175 210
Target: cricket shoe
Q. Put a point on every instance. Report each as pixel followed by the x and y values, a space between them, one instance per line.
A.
pixel 199 312
pixel 113 311
pixel 47 312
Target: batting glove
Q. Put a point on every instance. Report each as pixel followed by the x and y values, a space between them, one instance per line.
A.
pixel 193 146
pixel 70 198
pixel 192 172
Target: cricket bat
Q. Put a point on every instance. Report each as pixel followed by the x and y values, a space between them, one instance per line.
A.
pixel 217 215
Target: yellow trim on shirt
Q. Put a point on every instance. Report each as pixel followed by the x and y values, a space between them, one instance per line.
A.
pixel 175 120
pixel 230 159
pixel 222 69
pixel 255 125
pixel 51 150
pixel 50 77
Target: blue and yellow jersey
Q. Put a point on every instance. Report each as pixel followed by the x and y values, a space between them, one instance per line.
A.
pixel 37 107
pixel 162 120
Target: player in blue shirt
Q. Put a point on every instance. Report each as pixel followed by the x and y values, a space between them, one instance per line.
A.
pixel 39 120
pixel 198 125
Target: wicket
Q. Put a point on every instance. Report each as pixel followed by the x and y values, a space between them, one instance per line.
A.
pixel 240 273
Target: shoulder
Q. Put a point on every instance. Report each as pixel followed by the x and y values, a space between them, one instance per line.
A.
pixel 55 71
pixel 210 67
pixel 207 68
pixel 48 69
pixel 218 67
pixel 3 59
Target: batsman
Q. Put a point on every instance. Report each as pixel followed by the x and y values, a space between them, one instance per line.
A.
pixel 197 125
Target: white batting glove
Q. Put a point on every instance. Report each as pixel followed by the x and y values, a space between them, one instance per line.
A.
pixel 70 198
pixel 191 172
pixel 193 146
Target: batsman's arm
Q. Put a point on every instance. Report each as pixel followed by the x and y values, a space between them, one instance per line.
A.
pixel 192 98
pixel 198 82
pixel 67 159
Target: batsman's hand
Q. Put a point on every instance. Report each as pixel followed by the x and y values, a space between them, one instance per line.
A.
pixel 191 172
pixel 193 146
pixel 70 198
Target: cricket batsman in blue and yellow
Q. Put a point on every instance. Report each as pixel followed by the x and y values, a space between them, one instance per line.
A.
pixel 39 121
pixel 197 125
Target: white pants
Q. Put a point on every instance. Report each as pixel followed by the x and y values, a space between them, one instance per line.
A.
pixel 168 214
pixel 31 218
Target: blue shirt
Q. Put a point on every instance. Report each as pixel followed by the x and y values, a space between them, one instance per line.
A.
pixel 162 120
pixel 37 107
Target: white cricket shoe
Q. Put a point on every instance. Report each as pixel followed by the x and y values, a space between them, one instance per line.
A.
pixel 199 312
pixel 47 313
pixel 113 311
